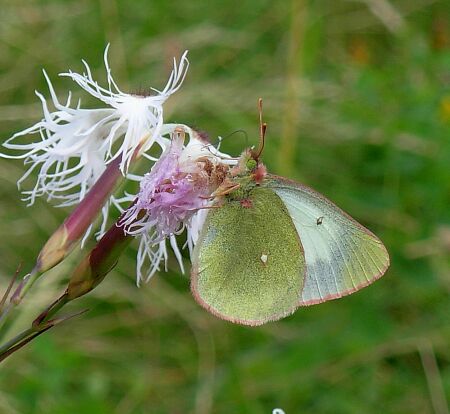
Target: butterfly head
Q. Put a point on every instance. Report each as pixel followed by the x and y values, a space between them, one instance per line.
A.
pixel 250 166
pixel 249 171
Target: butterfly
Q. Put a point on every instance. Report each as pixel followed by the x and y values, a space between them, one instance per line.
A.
pixel 272 245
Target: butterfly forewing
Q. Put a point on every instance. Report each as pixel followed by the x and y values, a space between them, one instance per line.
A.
pixel 248 263
pixel 341 255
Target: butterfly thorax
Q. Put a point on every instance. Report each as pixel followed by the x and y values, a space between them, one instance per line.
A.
pixel 242 188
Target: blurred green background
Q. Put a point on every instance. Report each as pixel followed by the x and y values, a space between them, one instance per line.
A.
pixel 357 99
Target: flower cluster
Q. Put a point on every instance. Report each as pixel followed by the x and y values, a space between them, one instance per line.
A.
pixel 81 153
pixel 79 158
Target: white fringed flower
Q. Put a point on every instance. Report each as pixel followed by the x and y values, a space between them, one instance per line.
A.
pixel 76 144
pixel 173 197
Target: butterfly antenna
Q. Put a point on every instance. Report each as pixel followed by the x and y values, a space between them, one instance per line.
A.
pixel 262 130
pixel 237 131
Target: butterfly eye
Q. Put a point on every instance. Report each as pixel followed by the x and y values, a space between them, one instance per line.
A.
pixel 251 164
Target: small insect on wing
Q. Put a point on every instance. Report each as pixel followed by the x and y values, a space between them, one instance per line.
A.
pixel 341 255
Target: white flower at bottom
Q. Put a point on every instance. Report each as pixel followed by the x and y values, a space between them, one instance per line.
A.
pixel 174 196
pixel 76 144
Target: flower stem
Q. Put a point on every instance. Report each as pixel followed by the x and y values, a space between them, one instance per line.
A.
pixel 51 310
pixel 18 295
pixel 25 286
pixel 40 325
pixel 8 289
pixel 3 315
pixel 20 344
pixel 17 339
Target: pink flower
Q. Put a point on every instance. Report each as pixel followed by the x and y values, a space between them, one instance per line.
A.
pixel 172 197
pixel 169 195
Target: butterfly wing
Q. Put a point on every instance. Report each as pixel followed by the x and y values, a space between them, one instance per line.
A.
pixel 248 264
pixel 341 255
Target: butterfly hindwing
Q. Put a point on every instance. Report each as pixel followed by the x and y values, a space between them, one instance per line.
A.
pixel 248 263
pixel 341 255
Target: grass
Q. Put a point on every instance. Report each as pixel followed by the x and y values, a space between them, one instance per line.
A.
pixel 357 103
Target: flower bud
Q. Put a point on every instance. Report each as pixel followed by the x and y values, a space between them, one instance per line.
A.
pixel 99 262
pixel 62 241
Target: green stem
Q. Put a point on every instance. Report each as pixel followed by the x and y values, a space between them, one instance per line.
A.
pixel 27 284
pixel 40 324
pixel 3 315
pixel 51 310
pixel 22 343
pixel 14 341
pixel 20 292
